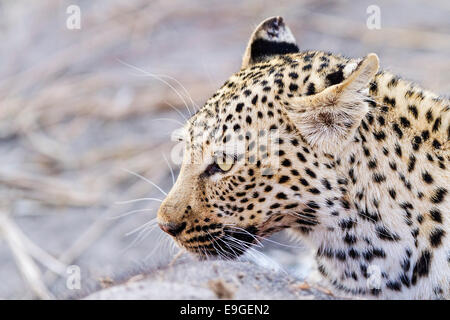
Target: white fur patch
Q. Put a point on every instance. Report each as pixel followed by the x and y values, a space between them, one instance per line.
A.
pixel 178 134
pixel 349 68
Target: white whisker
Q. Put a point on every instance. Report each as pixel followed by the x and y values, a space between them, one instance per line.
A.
pixel 130 213
pixel 262 238
pixel 138 200
pixel 184 89
pixel 228 245
pixel 177 110
pixel 146 180
pixel 257 255
pixel 245 232
pixel 170 167
pixel 158 241
pixel 144 233
pixel 157 77
pixel 154 220
pixel 213 240
pixel 258 243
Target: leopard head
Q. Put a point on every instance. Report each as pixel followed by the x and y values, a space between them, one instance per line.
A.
pixel 251 152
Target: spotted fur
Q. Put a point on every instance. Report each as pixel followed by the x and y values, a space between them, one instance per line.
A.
pixel 358 168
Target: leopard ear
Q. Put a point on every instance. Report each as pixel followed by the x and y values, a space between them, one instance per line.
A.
pixel 271 37
pixel 329 118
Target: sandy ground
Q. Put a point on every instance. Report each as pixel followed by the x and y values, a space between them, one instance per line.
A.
pixel 80 107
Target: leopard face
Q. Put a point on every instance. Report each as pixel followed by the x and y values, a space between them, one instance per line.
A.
pixel 351 159
pixel 249 168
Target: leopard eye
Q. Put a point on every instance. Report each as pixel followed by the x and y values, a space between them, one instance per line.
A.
pixel 220 164
pixel 225 164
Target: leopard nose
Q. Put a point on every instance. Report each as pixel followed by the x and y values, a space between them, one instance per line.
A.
pixel 173 229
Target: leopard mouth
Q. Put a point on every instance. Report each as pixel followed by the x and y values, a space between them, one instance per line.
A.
pixel 230 243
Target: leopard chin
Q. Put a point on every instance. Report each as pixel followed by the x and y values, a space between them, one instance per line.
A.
pixel 230 244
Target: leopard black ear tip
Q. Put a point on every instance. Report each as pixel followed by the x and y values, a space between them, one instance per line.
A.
pixel 277 21
pixel 273 23
pixel 272 37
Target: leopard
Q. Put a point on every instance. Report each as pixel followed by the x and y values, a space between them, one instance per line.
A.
pixel 350 159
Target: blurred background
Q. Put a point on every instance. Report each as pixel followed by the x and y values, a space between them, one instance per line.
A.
pixel 80 109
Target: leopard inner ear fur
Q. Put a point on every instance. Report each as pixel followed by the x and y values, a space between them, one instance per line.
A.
pixel 351 159
pixel 330 118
